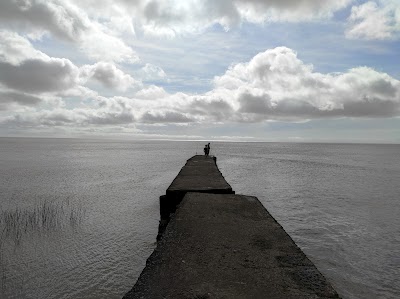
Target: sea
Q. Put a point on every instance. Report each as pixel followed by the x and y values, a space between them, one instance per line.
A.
pixel 79 217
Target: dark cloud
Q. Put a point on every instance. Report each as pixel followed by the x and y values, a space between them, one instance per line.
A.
pixel 296 109
pixel 383 87
pixel 57 118
pixel 162 13
pixel 9 97
pixel 165 117
pixel 108 75
pixel 110 118
pixel 255 104
pixel 224 10
pixel 260 108
pixel 36 75
pixel 217 109
pixel 371 108
pixel 71 118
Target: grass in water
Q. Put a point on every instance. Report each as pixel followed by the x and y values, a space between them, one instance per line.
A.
pixel 44 216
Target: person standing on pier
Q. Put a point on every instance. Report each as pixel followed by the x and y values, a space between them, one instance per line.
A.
pixel 207 149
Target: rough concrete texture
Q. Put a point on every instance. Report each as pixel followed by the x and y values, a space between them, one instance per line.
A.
pixel 200 174
pixel 227 246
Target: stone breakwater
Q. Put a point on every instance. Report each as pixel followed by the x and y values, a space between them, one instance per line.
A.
pixel 215 244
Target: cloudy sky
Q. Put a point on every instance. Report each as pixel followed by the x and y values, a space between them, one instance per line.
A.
pixel 241 70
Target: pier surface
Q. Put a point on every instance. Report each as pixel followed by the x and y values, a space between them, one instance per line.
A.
pixel 226 246
pixel 200 174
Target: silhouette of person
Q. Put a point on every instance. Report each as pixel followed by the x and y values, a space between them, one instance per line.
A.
pixel 205 150
pixel 208 149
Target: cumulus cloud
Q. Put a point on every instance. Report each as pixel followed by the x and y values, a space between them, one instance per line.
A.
pixel 11 97
pixel 210 107
pixel 165 117
pixel 27 70
pixel 87 21
pixel 59 17
pixel 98 45
pixel 67 21
pixel 15 48
pixel 374 21
pixel 275 84
pixel 151 72
pixel 35 75
pixel 109 75
pixel 99 28
pixel 289 10
pixel 151 92
pixel 111 111
pixel 171 17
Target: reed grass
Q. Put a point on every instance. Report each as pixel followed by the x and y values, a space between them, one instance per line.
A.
pixel 44 216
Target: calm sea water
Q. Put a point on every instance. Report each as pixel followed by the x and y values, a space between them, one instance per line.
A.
pixel 79 217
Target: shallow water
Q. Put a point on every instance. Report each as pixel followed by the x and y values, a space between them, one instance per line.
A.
pixel 339 202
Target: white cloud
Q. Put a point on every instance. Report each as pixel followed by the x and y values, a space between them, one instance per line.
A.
pixel 86 21
pixel 17 58
pixel 151 92
pixel 151 72
pixel 98 45
pixel 273 85
pixel 25 69
pixel 174 17
pixel 277 85
pixel 109 75
pixel 111 111
pixel 66 21
pixel 59 17
pixel 374 21
pixel 289 10
pixel 15 49
pixel 170 18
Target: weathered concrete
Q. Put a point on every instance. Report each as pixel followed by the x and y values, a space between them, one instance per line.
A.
pixel 200 174
pixel 227 246
pixel 221 245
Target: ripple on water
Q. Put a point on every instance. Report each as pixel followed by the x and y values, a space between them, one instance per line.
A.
pixel 338 202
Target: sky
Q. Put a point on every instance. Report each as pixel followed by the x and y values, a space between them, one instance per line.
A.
pixel 242 70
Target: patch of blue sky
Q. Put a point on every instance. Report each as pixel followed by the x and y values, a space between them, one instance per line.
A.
pixel 323 45
pixel 60 49
pixel 193 60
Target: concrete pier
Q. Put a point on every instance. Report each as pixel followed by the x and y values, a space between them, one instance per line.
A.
pixel 220 245
pixel 200 174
